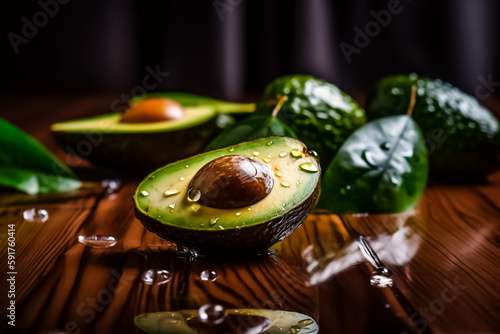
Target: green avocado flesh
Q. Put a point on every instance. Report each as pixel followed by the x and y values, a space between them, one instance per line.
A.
pixel 177 322
pixel 137 148
pixel 462 136
pixel 251 228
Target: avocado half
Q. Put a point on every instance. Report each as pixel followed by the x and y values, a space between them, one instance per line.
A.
pixel 282 322
pixel 162 204
pixel 139 148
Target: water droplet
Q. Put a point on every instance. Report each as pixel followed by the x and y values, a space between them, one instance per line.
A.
pixel 221 227
pixel 193 195
pixel 111 186
pixel 385 146
pixel 97 241
pixel 313 154
pixel 305 322
pixel 195 207
pixel 368 158
pixel 208 275
pixel 181 178
pixel 295 329
pixel 266 160
pixel 296 153
pixel 36 215
pixel 158 277
pixel 238 214
pixel 231 149
pixel 269 143
pixel 381 278
pixel 249 209
pixel 256 153
pixel 172 206
pixel 308 167
pixel 212 314
pixel 213 221
pixel 299 182
pixel 171 191
pixel 278 174
pixel 285 184
pixel 144 193
pixel 187 166
pixel 283 154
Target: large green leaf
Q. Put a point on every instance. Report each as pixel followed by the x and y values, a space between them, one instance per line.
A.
pixel 27 165
pixel 381 168
pixel 192 100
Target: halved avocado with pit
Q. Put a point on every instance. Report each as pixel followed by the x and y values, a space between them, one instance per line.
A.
pixel 180 322
pixel 154 131
pixel 235 200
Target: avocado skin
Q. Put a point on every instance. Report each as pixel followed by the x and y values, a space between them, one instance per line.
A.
pixel 251 240
pixel 137 153
pixel 315 110
pixel 445 115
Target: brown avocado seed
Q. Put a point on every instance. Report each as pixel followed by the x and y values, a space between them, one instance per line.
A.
pixel 153 110
pixel 232 181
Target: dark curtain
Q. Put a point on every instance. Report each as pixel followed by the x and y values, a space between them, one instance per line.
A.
pixel 232 48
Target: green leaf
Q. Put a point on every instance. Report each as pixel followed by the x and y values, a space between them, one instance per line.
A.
pixel 381 168
pixel 249 129
pixel 27 165
pixel 191 100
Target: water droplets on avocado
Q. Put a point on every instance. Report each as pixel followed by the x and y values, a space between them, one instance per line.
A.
pixel 381 278
pixel 305 322
pixel 285 184
pixel 266 160
pixel 295 153
pixel 278 173
pixel 368 158
pixel 299 182
pixel 97 241
pixel 221 227
pixel 193 195
pixel 269 143
pixel 35 215
pixel 282 154
pixel 187 166
pixel 181 178
pixel 144 193
pixel 385 146
pixel 171 206
pixel 231 149
pixel 212 314
pixel 256 154
pixel 313 154
pixel 208 275
pixel 308 167
pixel 195 207
pixel 157 277
pixel 295 329
pixel 238 214
pixel 171 191
pixel 213 221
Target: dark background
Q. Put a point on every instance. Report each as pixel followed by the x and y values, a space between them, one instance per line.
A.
pixel 231 49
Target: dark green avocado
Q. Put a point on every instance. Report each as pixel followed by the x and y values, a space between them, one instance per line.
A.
pixel 319 113
pixel 245 321
pixel 236 200
pixel 462 136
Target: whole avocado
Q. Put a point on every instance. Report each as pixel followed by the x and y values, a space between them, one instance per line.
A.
pixel 462 136
pixel 319 113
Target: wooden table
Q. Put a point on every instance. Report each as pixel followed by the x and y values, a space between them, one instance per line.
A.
pixel 445 258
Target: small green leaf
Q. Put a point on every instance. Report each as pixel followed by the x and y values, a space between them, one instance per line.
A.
pixel 27 165
pixel 249 129
pixel 381 168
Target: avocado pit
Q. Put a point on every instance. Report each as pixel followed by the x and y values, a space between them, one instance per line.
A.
pixel 153 110
pixel 230 182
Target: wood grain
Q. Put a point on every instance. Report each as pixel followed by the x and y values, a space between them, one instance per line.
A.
pixel 319 270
